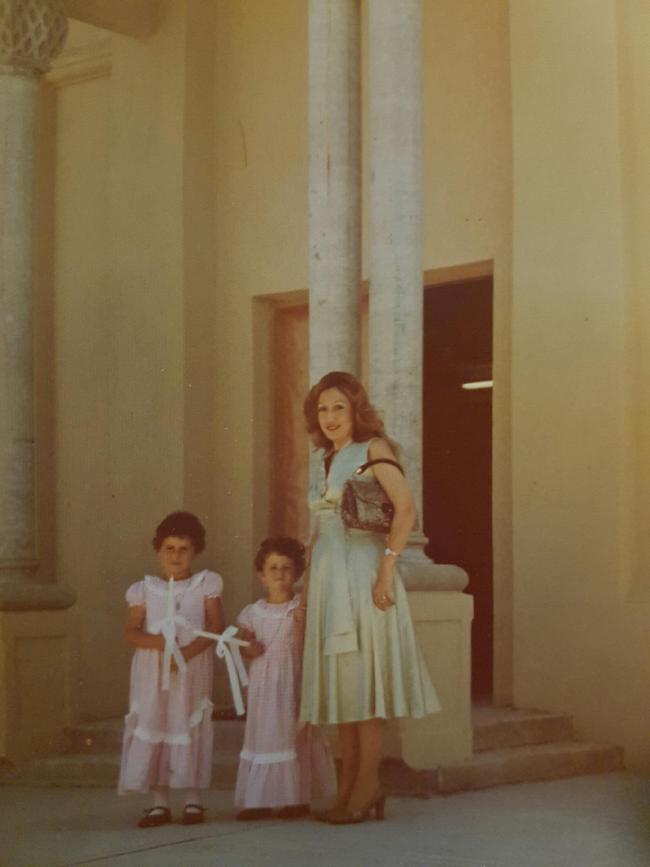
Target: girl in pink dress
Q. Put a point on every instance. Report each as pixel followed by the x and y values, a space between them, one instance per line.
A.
pixel 168 729
pixel 279 766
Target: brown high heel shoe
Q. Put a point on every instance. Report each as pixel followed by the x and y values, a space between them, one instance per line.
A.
pixel 353 817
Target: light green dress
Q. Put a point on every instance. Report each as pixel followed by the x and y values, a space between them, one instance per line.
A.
pixel 359 662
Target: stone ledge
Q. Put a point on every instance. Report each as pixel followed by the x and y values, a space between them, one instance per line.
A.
pixel 25 595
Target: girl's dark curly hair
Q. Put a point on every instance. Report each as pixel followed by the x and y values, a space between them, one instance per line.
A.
pixel 184 525
pixel 287 547
pixel 367 422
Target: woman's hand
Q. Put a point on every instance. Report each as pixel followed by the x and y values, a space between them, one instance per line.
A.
pixel 382 590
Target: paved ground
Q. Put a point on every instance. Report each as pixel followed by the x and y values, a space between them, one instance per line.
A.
pixel 601 821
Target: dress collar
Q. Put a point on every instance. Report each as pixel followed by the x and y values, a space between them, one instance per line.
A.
pixel 268 609
pixel 158 586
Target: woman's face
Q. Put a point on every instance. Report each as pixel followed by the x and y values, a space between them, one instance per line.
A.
pixel 335 417
pixel 176 554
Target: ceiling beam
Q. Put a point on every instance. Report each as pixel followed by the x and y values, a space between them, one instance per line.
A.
pixel 137 18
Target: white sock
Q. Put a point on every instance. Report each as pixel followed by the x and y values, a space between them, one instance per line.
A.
pixel 193 796
pixel 161 796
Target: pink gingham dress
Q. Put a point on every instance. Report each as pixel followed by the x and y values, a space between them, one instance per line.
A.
pixel 168 733
pixel 279 765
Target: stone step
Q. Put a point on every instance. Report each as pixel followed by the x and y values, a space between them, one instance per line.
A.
pixel 511 746
pixel 527 764
pixel 97 770
pixel 105 736
pixel 499 727
pixel 494 728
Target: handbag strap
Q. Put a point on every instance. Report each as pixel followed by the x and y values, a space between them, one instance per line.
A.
pixel 369 464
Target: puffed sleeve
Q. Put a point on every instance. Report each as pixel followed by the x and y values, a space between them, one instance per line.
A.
pixel 213 584
pixel 135 594
pixel 244 619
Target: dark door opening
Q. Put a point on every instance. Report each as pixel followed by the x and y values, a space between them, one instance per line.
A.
pixel 457 449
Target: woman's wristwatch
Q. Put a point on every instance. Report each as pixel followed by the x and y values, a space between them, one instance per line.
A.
pixel 388 552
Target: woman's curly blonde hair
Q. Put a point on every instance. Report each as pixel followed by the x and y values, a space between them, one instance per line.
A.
pixel 367 422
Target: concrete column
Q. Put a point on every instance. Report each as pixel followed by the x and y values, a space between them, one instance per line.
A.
pixel 395 228
pixel 334 186
pixel 32 32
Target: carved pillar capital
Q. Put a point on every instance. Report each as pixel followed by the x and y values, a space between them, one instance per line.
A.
pixel 32 33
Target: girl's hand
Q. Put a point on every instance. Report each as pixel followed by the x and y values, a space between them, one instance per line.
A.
pixel 300 613
pixel 254 649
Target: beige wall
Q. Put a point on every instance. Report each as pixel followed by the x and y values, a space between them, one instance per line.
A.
pixel 634 90
pixel 467 211
pixel 128 331
pixel 180 197
pixel 180 201
pixel 262 197
pixel 582 642
pixel 261 243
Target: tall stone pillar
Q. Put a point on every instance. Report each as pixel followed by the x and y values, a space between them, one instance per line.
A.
pixel 32 32
pixel 395 319
pixel 334 186
pixel 35 694
pixel 442 618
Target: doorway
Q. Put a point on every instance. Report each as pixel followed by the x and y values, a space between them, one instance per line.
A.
pixel 457 449
pixel 457 440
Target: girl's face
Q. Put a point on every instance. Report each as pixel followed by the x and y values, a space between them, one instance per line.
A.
pixel 176 554
pixel 278 576
pixel 335 417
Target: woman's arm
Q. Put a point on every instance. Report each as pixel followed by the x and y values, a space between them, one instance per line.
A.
pixel 134 633
pixel 214 622
pixel 404 517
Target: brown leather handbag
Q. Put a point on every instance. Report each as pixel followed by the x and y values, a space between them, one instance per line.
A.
pixel 364 503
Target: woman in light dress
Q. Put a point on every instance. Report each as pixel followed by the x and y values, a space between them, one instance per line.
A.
pixel 361 665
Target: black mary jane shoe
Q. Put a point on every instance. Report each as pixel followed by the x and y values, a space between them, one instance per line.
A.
pixel 193 814
pixel 154 817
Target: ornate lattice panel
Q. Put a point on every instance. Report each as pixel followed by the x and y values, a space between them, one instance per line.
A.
pixel 32 32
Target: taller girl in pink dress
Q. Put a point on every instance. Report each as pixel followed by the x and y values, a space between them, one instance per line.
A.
pixel 168 729
pixel 279 767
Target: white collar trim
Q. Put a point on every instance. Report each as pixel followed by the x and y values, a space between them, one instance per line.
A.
pixel 158 586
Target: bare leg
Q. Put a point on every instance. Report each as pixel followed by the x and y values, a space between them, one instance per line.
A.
pixel 349 746
pixel 160 796
pixel 371 741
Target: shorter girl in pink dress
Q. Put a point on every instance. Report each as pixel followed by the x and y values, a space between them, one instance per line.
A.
pixel 279 766
pixel 168 730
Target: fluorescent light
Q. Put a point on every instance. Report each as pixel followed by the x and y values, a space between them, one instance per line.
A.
pixel 475 386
